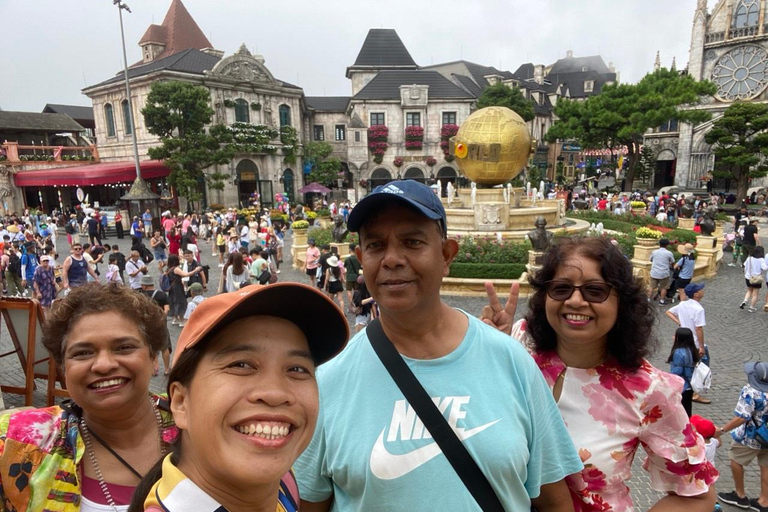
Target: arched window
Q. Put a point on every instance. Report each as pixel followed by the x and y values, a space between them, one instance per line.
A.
pixel 127 118
pixel 414 173
pixel 288 184
pixel 380 176
pixel 109 117
pixel 241 111
pixel 285 115
pixel 746 14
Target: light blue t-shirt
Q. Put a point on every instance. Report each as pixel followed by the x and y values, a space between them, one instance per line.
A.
pixel 372 452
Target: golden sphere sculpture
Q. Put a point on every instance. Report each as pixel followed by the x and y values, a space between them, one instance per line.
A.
pixel 492 146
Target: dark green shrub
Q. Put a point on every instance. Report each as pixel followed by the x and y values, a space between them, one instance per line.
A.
pixel 487 270
pixel 486 250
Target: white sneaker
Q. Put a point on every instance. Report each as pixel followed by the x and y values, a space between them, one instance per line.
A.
pixel 182 325
pixel 278 271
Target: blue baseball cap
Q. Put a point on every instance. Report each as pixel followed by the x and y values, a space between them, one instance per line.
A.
pixel 692 288
pixel 409 192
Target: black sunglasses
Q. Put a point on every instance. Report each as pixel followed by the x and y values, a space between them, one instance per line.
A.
pixel 590 292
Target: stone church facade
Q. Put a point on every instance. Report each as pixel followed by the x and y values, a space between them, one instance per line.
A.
pixel 729 46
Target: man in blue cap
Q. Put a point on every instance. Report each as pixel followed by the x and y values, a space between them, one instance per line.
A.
pixel 371 450
pixel 690 313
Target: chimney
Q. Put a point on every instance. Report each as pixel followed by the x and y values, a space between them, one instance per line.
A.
pixel 611 67
pixel 538 73
pixel 569 54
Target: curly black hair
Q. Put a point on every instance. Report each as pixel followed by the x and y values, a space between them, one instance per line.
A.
pixel 631 339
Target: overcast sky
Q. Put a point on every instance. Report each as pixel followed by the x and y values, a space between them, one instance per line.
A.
pixel 51 49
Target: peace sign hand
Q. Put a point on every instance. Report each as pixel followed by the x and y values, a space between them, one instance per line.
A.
pixel 497 316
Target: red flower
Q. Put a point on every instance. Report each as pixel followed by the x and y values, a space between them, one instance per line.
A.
pixel 653 415
pixel 613 377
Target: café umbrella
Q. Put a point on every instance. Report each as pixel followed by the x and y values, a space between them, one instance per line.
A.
pixel 314 188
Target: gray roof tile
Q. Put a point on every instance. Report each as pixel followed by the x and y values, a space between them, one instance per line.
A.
pixel 73 111
pixel 33 121
pixel 328 103
pixel 187 61
pixel 386 85
pixel 384 48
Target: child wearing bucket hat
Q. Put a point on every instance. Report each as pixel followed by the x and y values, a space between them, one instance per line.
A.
pixel 243 391
pixel 750 414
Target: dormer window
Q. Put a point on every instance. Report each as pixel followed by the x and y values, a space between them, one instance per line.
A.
pixel 589 86
pixel 584 68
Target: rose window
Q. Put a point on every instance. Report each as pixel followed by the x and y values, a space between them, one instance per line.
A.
pixel 741 74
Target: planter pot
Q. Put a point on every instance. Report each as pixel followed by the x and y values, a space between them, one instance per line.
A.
pixel 300 236
pixel 648 242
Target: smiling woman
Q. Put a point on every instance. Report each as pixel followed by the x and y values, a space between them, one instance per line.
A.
pixel 90 453
pixel 243 393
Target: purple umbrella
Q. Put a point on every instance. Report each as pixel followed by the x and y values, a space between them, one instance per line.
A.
pixel 314 187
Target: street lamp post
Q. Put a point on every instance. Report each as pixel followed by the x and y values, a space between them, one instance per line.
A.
pixel 139 194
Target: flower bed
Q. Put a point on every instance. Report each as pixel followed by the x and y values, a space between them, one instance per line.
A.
pixel 488 250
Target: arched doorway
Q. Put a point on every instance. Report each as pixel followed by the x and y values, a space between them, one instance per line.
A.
pixel 666 165
pixel 380 176
pixel 414 173
pixel 289 185
pixel 444 176
pixel 247 181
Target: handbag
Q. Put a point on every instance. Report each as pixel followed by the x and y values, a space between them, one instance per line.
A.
pixel 757 278
pixel 761 434
pixel 455 452
pixel 701 379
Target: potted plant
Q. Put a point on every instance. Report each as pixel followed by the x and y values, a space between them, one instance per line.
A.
pixel 648 237
pixel 398 161
pixel 229 103
pixel 377 142
pixel 431 161
pixel 300 228
pixel 255 105
pixel 638 207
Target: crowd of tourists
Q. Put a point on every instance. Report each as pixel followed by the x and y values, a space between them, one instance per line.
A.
pixel 269 405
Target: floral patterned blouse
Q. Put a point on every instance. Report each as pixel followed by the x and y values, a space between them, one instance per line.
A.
pixel 753 407
pixel 609 413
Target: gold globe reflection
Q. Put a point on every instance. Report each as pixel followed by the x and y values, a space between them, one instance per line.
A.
pixel 496 143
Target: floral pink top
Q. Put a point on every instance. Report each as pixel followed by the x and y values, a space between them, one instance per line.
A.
pixel 609 412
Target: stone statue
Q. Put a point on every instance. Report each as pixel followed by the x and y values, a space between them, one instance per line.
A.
pixel 708 225
pixel 509 192
pixel 688 208
pixel 474 194
pixel 268 120
pixel 534 195
pixel 340 230
pixel 505 193
pixel 6 186
pixel 439 188
pixel 540 238
pixel 449 190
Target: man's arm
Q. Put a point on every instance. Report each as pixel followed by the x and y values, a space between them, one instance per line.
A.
pixel 323 506
pixel 554 497
pixel 673 316
pixel 700 337
pixel 64 271
pixel 133 274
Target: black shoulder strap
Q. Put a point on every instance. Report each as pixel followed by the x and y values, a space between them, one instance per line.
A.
pixel 456 453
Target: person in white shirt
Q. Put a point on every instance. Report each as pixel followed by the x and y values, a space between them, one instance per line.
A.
pixel 135 268
pixel 690 314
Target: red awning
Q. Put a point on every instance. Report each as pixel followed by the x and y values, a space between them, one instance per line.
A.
pixel 93 174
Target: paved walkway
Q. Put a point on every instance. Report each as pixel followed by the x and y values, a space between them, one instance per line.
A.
pixel 734 337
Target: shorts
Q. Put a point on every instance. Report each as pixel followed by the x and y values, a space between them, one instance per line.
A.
pixel 682 283
pixel 353 286
pixel 662 283
pixel 222 248
pixel 749 248
pixel 750 285
pixel 311 272
pixel 335 287
pixel 744 455
pixel 361 319
pixel 160 256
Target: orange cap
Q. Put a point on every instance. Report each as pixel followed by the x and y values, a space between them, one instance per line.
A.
pixel 321 321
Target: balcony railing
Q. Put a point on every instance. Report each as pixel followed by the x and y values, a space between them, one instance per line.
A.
pixel 735 33
pixel 14 153
pixel 715 37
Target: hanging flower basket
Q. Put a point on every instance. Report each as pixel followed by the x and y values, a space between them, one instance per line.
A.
pixel 446 132
pixel 398 161
pixel 255 106
pixel 431 161
pixel 414 137
pixel 229 103
pixel 363 183
pixel 377 142
pixel 378 159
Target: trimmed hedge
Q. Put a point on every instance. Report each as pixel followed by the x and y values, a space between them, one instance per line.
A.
pixel 681 235
pixel 487 270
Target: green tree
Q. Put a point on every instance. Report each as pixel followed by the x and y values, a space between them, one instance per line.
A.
pixel 325 168
pixel 740 144
pixel 179 113
pixel 622 113
pixel 501 95
pixel 646 166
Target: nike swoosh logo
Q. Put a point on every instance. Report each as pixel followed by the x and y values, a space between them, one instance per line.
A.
pixel 388 466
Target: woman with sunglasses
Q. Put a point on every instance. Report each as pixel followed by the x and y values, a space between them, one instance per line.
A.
pixel 589 328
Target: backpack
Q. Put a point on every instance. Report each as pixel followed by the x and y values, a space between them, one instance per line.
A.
pixel 165 283
pixel 70 228
pixel 14 265
pixel 701 380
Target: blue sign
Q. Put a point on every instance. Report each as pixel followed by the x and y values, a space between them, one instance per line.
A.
pixel 307 168
pixel 571 147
